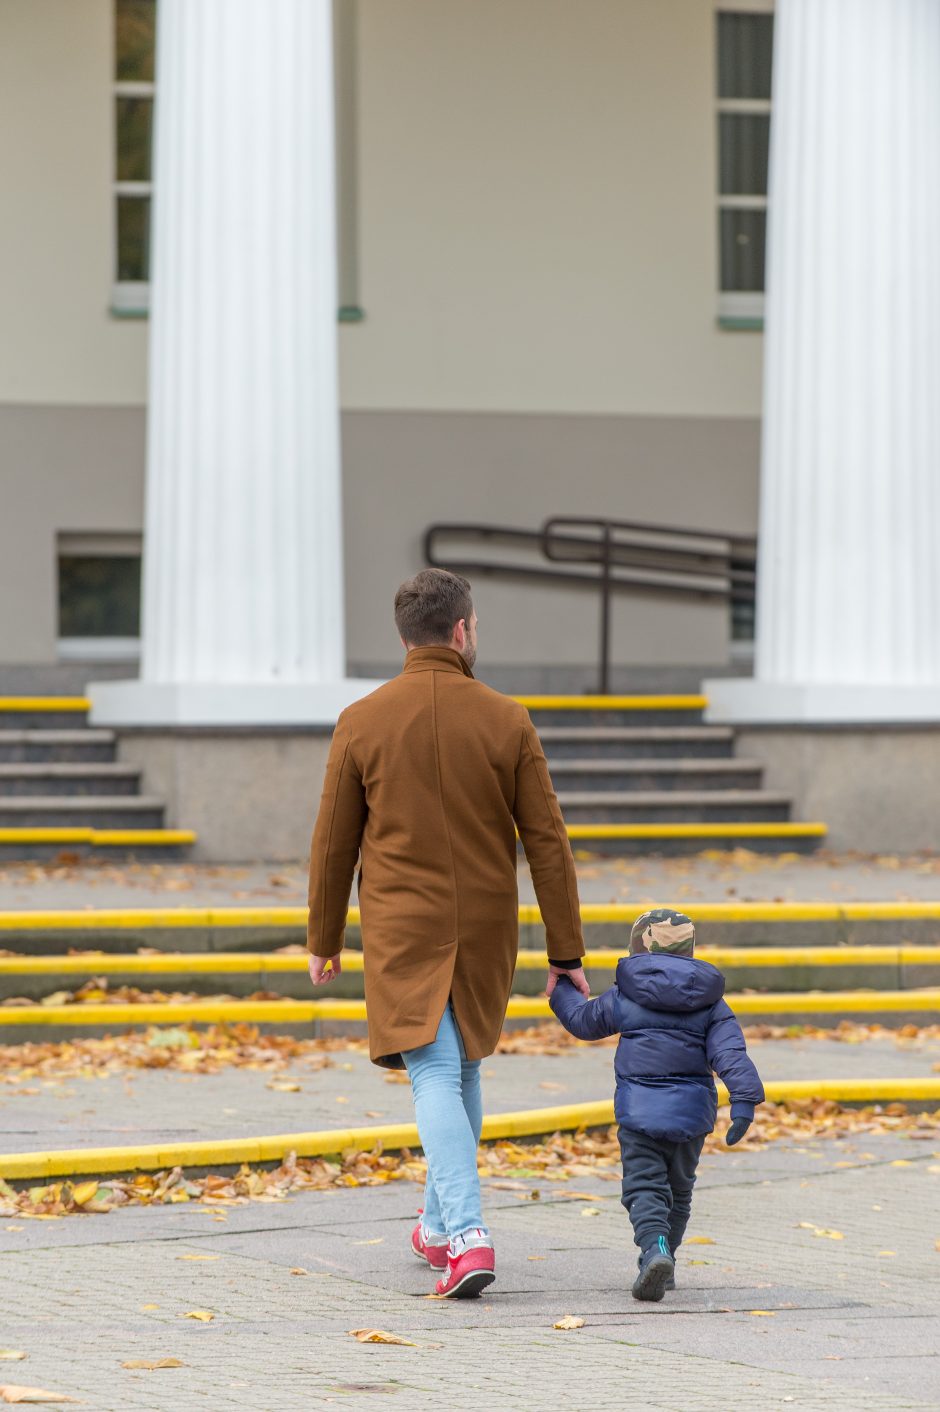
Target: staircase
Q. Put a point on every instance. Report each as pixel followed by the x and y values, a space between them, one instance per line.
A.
pixel 644 774
pixel 62 790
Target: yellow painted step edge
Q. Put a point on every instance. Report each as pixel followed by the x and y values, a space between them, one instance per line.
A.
pixel 295 1012
pixel 613 703
pixel 44 703
pixel 592 914
pixel 223 963
pixel 723 830
pixel 532 1122
pixel 99 838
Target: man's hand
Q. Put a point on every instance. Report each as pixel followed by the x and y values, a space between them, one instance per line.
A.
pixel 578 980
pixel 319 974
pixel 737 1130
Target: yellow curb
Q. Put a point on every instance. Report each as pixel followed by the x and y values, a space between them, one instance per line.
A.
pixel 44 703
pixel 99 838
pixel 729 830
pixel 98 1161
pixel 97 963
pixel 521 1007
pixel 613 703
pixel 592 914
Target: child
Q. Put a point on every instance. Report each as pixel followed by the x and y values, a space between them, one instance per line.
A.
pixel 674 1030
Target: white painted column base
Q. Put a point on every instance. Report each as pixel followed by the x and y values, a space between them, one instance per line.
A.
pixel 170 704
pixel 737 701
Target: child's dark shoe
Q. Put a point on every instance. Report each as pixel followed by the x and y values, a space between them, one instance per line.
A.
pixel 657 1268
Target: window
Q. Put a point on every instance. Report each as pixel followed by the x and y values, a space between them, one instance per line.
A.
pixel 135 31
pixel 745 51
pixel 99 596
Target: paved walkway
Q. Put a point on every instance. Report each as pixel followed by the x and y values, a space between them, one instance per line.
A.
pixel 343 1089
pixel 716 877
pixel 767 1316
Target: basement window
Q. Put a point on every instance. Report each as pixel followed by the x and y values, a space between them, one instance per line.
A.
pixel 99 597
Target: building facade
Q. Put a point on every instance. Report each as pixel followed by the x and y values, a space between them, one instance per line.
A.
pixel 551 262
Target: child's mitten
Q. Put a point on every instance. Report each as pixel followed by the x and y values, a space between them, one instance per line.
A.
pixel 737 1130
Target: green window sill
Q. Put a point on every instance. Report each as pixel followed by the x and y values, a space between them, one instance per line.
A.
pixel 348 314
pixel 747 325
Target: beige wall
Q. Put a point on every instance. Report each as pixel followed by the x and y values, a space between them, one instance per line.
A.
pixel 59 343
pixel 536 219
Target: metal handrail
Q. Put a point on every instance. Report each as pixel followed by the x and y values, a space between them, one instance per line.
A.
pixel 614 555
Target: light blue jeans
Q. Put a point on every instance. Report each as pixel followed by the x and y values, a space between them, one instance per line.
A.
pixel 448 1103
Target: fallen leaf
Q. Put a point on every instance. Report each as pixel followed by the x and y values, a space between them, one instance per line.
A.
pixel 299 1270
pixel 10 1393
pixel 371 1113
pixel 547 1083
pixel 570 1321
pixel 536 1257
pixel 149 1364
pixel 198 1257
pixel 699 1240
pixel 377 1240
pixel 84 1192
pixel 380 1336
pixel 901 1162
pixel 590 1210
pixel 150 1306
pixel 762 1313
pixel 887 1252
pixel 698 1262
pixel 341 1098
pixel 203 1315
pixel 284 1086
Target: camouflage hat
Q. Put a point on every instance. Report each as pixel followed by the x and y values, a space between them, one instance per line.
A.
pixel 663 930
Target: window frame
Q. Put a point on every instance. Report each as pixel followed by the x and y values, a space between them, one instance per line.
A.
pixel 738 309
pixel 88 544
pixel 130 299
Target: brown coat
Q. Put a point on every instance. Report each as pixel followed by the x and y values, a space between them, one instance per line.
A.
pixel 428 778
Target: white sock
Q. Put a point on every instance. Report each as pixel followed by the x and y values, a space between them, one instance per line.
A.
pixel 474 1239
pixel 432 1237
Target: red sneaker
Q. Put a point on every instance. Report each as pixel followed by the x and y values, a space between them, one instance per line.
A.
pixel 469 1274
pixel 435 1255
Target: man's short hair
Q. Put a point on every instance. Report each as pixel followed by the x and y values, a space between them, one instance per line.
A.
pixel 429 607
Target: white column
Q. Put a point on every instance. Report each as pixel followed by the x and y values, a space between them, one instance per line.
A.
pixel 848 613
pixel 243 563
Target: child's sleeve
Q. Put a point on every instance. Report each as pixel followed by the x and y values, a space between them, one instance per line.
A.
pixel 728 1056
pixel 585 1019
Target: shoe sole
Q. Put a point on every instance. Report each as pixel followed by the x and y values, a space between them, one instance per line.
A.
pixel 651 1284
pixel 472 1284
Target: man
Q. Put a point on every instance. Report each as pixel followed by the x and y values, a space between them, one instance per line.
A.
pixel 427 780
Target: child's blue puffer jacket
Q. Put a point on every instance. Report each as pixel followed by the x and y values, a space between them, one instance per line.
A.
pixel 674 1029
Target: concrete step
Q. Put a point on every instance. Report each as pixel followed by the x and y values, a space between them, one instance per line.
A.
pixel 674 806
pixel 43 712
pixel 88 811
pixel 84 841
pixel 56 746
pixel 626 775
pixel 48 780
pixel 668 839
pixel 614 710
pixel 636 742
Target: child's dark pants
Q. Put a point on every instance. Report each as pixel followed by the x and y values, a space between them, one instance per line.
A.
pixel 658 1177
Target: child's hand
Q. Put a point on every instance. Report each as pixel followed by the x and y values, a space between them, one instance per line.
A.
pixel 737 1130
pixel 577 978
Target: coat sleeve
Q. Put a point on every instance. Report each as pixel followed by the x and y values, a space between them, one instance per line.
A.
pixel 335 847
pixel 542 830
pixel 585 1019
pixel 728 1056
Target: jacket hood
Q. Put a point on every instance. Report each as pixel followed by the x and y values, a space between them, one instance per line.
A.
pixel 664 982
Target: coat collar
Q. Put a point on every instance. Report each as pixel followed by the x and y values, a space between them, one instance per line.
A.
pixel 436 659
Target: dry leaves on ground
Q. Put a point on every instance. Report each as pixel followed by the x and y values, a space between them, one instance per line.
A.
pixel 380 1336
pixel 150 1365
pixel 10 1392
pixel 570 1321
pixel 98 990
pixel 822 1231
pixel 183 1049
pixel 205 1316
pixel 560 1158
